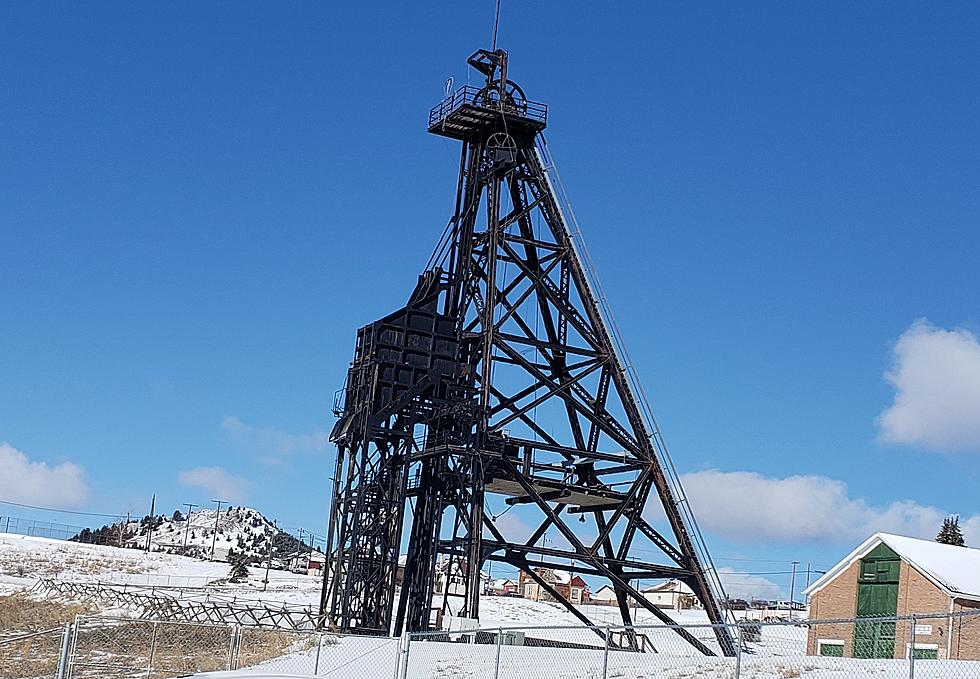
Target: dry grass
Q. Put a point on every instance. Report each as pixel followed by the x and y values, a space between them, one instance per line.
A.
pixel 51 564
pixel 33 656
pixel 127 645
pixel 23 613
pixel 176 648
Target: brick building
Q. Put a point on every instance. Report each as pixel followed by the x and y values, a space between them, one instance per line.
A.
pixel 891 575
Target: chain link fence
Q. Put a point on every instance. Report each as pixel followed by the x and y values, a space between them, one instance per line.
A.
pixel 928 647
pixel 121 648
pixel 936 646
pixel 56 531
pixel 34 655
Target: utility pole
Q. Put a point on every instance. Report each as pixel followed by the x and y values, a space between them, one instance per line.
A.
pixel 149 532
pixel 187 526
pixel 792 589
pixel 807 575
pixel 214 538
pixel 301 531
pixel 122 530
pixel 122 533
pixel 268 558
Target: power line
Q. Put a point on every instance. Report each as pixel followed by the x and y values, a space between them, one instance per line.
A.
pixel 743 573
pixel 737 558
pixel 60 511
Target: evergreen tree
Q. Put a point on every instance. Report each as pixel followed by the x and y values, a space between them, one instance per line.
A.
pixel 239 571
pixel 950 533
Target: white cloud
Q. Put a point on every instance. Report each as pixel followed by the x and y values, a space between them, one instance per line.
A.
pixel 270 442
pixel 936 375
pixel 741 585
pixel 216 480
pixel 752 508
pixel 37 483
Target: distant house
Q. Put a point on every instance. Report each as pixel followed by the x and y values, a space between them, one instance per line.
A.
pixel 736 604
pixel 889 575
pixel 570 586
pixel 308 563
pixel 400 572
pixel 672 594
pixel 504 587
pixel 451 574
pixel 605 596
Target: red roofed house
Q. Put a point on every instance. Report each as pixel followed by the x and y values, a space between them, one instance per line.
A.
pixel 570 586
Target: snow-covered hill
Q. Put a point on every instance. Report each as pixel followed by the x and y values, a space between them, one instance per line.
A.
pixel 234 532
pixel 23 560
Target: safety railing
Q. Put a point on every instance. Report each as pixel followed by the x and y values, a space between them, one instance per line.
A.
pixel 488 98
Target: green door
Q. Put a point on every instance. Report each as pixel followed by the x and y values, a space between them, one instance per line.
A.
pixel 877 596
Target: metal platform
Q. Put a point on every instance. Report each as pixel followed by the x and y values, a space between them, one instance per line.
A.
pixel 474 111
pixel 556 491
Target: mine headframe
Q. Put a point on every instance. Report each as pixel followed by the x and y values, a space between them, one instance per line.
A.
pixel 502 381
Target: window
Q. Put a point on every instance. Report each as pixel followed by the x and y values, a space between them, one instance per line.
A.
pixel 833 648
pixel 924 651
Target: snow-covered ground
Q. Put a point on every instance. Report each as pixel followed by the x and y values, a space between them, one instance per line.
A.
pixel 367 658
pixel 780 654
pixel 23 560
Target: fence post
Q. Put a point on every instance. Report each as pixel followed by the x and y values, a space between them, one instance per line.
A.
pixel 738 650
pixel 496 669
pixel 605 655
pixel 912 648
pixel 153 648
pixel 63 657
pixel 234 644
pixel 401 667
pixel 319 643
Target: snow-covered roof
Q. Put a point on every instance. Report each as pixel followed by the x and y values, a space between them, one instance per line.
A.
pixel 668 587
pixel 503 582
pixel 955 570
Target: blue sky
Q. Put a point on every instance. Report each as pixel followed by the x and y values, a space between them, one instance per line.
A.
pixel 774 194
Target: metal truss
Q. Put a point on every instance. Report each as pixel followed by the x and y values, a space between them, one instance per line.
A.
pixel 532 406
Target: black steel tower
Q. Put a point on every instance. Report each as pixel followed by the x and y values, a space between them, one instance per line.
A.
pixel 503 380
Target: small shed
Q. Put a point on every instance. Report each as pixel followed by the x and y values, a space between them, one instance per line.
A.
pixel 605 596
pixel 672 594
